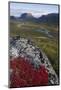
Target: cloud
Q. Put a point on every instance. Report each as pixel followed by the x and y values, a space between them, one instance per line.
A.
pixel 35 13
pixel 17 9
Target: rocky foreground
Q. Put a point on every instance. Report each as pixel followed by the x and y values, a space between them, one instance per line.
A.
pixel 26 50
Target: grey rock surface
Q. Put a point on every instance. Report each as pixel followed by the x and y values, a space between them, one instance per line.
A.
pixel 25 48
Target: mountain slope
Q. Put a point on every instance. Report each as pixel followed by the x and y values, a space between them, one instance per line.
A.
pixel 50 19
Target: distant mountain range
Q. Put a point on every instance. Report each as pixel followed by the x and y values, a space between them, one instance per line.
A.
pixel 52 18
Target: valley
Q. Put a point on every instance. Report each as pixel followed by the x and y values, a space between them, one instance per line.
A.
pixel 44 36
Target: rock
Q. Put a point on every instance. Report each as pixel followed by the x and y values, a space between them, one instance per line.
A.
pixel 26 49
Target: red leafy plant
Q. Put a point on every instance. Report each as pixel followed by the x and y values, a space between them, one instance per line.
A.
pixel 24 74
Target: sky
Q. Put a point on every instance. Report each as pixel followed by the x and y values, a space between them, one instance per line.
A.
pixel 37 10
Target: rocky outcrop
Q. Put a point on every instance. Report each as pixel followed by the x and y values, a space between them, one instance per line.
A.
pixel 25 48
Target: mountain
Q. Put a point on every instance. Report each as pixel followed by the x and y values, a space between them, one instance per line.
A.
pixel 51 19
pixel 12 17
pixel 27 17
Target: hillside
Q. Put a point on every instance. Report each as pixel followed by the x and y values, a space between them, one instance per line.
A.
pixel 51 19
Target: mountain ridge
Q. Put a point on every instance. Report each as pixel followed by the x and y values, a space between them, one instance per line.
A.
pixel 52 18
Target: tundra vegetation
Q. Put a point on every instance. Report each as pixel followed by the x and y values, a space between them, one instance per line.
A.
pixel 44 35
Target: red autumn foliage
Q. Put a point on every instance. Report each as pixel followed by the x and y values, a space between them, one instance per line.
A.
pixel 24 74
